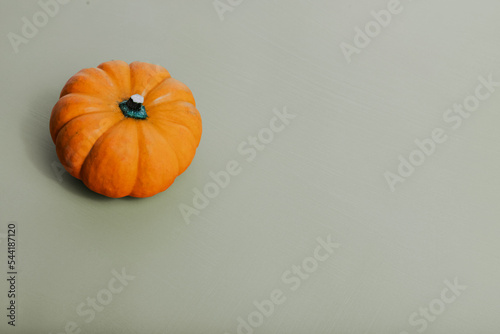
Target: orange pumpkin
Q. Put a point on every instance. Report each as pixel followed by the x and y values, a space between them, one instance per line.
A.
pixel 125 129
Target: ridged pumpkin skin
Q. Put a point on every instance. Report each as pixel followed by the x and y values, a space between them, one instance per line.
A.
pixel 118 155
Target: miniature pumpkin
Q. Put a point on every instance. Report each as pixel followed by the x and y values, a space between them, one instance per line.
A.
pixel 125 129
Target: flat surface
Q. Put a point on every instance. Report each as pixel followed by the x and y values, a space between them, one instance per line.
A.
pixel 309 237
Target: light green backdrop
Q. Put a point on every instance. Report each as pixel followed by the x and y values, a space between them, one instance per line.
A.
pixel 308 236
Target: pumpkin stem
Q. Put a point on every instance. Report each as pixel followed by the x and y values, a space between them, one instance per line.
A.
pixel 135 102
pixel 133 107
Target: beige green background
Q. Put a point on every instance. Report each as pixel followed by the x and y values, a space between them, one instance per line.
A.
pixel 323 175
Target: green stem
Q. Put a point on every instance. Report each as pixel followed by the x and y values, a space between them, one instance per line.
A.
pixel 133 107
